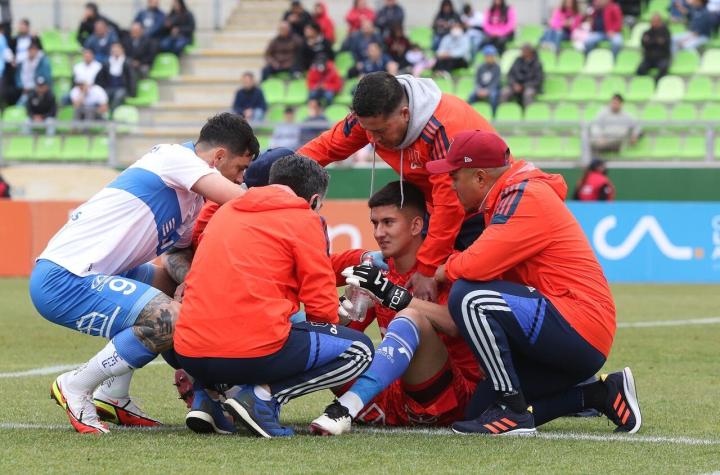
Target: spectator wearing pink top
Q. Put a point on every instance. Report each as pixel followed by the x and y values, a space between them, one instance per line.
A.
pixel 359 12
pixel 565 19
pixel 499 26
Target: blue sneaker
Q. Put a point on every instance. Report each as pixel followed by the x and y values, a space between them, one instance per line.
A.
pixel 207 416
pixel 261 418
pixel 498 420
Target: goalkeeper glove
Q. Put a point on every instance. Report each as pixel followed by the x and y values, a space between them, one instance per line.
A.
pixel 371 278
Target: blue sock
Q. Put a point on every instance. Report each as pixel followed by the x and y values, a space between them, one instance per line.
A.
pixel 392 358
pixel 131 349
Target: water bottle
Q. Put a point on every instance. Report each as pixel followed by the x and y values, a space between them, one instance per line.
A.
pixel 360 298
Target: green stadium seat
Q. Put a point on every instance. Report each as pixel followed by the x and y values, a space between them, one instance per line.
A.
pixel 610 86
pixel 61 87
pixel 60 66
pixel 509 111
pixel 336 112
pixel 264 141
pixel 711 112
pixel 641 149
pixel 694 147
pixel 13 117
pixel 654 113
pixel 75 147
pixel 528 34
pixel 554 89
pixel 459 73
pixel 538 112
pixel 520 146
pixel 582 89
pixel 670 89
pixel 666 147
pixel 343 62
pixel 567 112
pixel 683 112
pixel 147 94
pixel 47 148
pixel 18 148
pixel 627 62
pixel 656 6
pixel 275 113
pixel 599 62
pixel 301 112
pixel 465 87
pixel 685 63
pixel 700 89
pixel 591 111
pixel 126 114
pixel 507 60
pixel 64 116
pixel 422 36
pixel 635 40
pixel 710 63
pixel 483 108
pixel 274 90
pixel 570 62
pixel 297 93
pixel 640 89
pixel 548 58
pixel 54 41
pixel 446 85
pixel 165 66
pixel 571 149
pixel 345 96
pixel 546 146
pixel 99 150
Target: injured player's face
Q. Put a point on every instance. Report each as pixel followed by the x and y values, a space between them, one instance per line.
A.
pixel 395 230
pixel 234 167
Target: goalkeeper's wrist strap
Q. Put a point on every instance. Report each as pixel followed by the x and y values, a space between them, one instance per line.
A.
pixel 398 299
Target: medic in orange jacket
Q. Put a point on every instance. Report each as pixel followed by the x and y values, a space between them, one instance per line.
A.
pixel 434 119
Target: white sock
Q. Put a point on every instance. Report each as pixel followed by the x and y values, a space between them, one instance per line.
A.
pixel 106 363
pixel 262 393
pixel 352 402
pixel 117 387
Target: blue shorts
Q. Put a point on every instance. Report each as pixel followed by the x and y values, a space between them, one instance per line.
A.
pixel 100 305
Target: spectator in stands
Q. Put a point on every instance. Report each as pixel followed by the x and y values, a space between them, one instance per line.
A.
pixel 606 22
pixel 487 79
pixel 359 12
pixel 595 184
pixel 315 123
pixel 117 77
pixel 376 61
pixel 358 41
pixel 390 16
pixel 323 20
pixel 444 20
pixel 287 133
pixel 565 19
pixel 87 25
pixel 418 61
pixel 283 52
pixel 613 127
pixel 34 66
pixel 140 49
pixel 316 46
pixel 454 51
pixel 679 11
pixel 41 106
pixel 700 28
pixel 90 102
pixel 525 79
pixel 6 19
pixel 713 6
pixel 656 44
pixel 20 44
pixel 4 188
pixel 500 24
pixel 323 81
pixel 397 45
pixel 473 21
pixel 5 53
pixel 101 41
pixel 297 17
pixel 87 69
pixel 151 18
pixel 178 30
pixel 249 99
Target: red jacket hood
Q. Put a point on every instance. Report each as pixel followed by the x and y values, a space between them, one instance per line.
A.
pixel 267 198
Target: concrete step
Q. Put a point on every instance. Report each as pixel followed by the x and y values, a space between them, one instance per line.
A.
pixel 216 91
pixel 166 113
pixel 222 65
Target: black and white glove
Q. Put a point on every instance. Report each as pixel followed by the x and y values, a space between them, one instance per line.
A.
pixel 371 278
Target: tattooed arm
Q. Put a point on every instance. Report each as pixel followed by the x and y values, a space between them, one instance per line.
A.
pixel 155 324
pixel 177 263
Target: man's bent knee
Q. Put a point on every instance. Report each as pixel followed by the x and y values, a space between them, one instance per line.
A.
pixel 155 324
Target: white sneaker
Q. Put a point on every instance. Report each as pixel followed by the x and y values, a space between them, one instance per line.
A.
pixel 78 406
pixel 335 420
pixel 122 411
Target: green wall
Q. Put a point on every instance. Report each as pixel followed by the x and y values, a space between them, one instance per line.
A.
pixel 643 184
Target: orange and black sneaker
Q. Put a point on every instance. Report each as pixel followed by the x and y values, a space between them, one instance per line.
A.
pixel 498 420
pixel 622 405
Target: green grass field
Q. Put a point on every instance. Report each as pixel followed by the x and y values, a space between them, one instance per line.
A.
pixel 677 368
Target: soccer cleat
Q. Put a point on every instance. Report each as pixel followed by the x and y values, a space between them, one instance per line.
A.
pixel 78 406
pixel 121 411
pixel 335 420
pixel 498 420
pixel 261 418
pixel 622 405
pixel 184 385
pixel 207 416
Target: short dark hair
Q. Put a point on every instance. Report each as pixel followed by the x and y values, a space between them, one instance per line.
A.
pixel 377 94
pixel 303 175
pixel 231 131
pixel 619 97
pixel 405 195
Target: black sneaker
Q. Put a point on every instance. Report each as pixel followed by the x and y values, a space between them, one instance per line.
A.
pixel 498 420
pixel 335 420
pixel 622 405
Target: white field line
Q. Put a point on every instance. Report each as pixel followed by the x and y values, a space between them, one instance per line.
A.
pixel 46 370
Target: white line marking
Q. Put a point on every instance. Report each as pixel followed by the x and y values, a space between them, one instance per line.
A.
pixel 68 428
pixel 670 323
pixel 46 370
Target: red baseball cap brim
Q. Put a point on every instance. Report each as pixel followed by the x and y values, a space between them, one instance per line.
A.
pixel 437 167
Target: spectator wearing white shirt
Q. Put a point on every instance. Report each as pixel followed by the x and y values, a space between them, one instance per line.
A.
pixel 90 102
pixel 86 70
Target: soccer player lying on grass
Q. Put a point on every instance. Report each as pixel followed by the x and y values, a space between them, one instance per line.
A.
pixel 96 275
pixel 418 376
pixel 259 257
pixel 529 297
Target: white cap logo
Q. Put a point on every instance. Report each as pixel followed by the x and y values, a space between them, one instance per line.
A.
pixel 468 159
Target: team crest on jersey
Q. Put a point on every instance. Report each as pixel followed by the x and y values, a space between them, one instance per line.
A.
pixel 415 159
